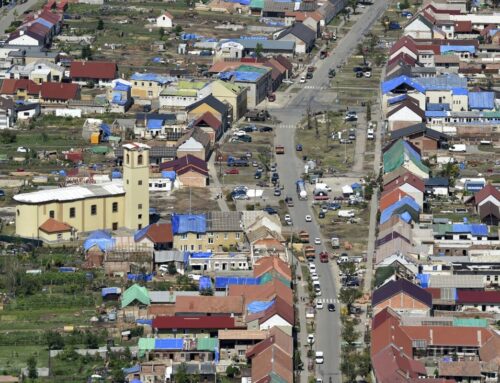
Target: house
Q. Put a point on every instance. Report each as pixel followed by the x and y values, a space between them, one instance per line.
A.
pixel 157 154
pixel 183 93
pixel 196 143
pixel 403 267
pixel 209 124
pixel 437 186
pixel 405 45
pixel 7 113
pixel 276 9
pixel 209 305
pixel 165 20
pixel 303 37
pixel 167 257
pixel 52 231
pixel 260 292
pixel 220 110
pixel 235 343
pixel 392 365
pixel 423 138
pixel 278 72
pixel 392 196
pixel 119 96
pixel 277 313
pixel 407 208
pixel 405 114
pixel 233 94
pixel 147 86
pixel 100 73
pixel 489 213
pixel 237 48
pixel 461 371
pixel 191 171
pixel 402 153
pixel 157 235
pixel 419 27
pixel 272 266
pixel 193 324
pixel 20 89
pixel 213 231
pixel 26 111
pixel 482 301
pixel 58 92
pixel 26 38
pixel 488 193
pixel 409 183
pixel 402 296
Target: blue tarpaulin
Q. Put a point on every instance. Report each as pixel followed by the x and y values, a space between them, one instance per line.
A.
pixel 99 238
pixel 170 174
pixel 406 217
pixel 136 381
pixel 139 234
pixel 156 60
pixel 223 282
pixel 110 290
pixel 62 173
pixel 240 75
pixel 116 174
pixel 132 370
pixel 201 255
pixel 424 280
pixel 444 49
pixel 356 186
pixel 395 100
pixel 148 322
pixel 405 204
pixel 155 124
pixel 189 223
pixel 169 344
pixel 67 269
pixel 481 100
pixel 121 87
pixel 259 306
pixel 140 277
pixel 205 283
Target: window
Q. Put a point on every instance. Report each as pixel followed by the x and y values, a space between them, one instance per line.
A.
pixel 59 236
pixel 139 226
pixel 241 352
pixel 18 212
pixel 72 212
pixel 225 235
pixel 115 207
pixel 139 206
pixel 192 247
pixel 199 236
pixel 237 235
pixel 184 236
pixel 128 159
pixel 139 216
pixel 140 157
pixel 127 182
pixel 139 182
pixel 210 241
pixel 200 247
pixel 93 209
pixel 115 225
pixel 210 234
pixel 150 93
pixel 51 214
pixel 185 247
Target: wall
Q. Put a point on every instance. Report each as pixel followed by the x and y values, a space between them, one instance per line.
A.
pixel 193 179
pixel 196 153
pixel 145 89
pixel 424 143
pixel 193 242
pixel 402 303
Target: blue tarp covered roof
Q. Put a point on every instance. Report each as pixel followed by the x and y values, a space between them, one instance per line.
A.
pixel 99 238
pixel 169 344
pixel 406 217
pixel 436 113
pixel 116 174
pixel 170 174
pixel 424 280
pixel 155 124
pixel 241 76
pixel 44 22
pixel 259 306
pixel 397 99
pixel 473 228
pixel 356 185
pixel 139 234
pixel 120 86
pixel 152 77
pixel 444 49
pixel 437 107
pixel 110 290
pixel 460 91
pixel 132 370
pixel 205 283
pixel 393 83
pixel 189 223
pixel 223 282
pixel 421 84
pixel 403 205
pixel 482 100
pixel 201 255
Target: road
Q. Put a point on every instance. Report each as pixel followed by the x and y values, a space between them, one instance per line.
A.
pixel 8 18
pixel 290 168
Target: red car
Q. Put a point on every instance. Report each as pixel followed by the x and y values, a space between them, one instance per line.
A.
pixel 323 257
pixel 232 171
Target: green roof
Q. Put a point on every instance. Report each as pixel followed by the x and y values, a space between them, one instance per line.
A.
pixel 135 293
pixel 250 68
pixel 493 114
pixel 442 228
pixel 146 344
pixel 470 322
pixel 207 344
pixel 179 92
pixel 269 276
pixel 275 378
pixel 100 149
pixel 398 154
pixel 191 85
pixel 235 88
pixel 256 4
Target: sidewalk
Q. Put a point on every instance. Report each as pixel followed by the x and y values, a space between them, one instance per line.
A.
pixel 302 339
pixel 216 188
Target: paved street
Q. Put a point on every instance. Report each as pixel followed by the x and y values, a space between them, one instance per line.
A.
pixel 7 18
pixel 290 168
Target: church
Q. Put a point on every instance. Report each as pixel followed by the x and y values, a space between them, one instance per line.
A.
pixel 60 214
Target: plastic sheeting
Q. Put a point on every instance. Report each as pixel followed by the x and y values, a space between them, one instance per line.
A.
pixel 148 322
pixel 201 255
pixel 99 238
pixel 424 280
pixel 140 277
pixel 168 174
pixel 155 124
pixel 110 290
pixel 139 234
pixel 205 283
pixel 116 174
pixel 259 306
pixel 189 223
pixel 223 282
pixel 169 344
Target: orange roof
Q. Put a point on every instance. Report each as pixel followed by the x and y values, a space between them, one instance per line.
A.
pixel 169 15
pixel 267 264
pixel 390 198
pixel 449 335
pixel 270 242
pixel 222 66
pixel 265 292
pixel 316 16
pixel 209 305
pixel 51 226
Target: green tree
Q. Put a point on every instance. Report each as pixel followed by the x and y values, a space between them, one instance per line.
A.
pixel 117 375
pixel 348 367
pixel 177 30
pixel 232 371
pixel 86 53
pixel 100 25
pixel 404 4
pixel 349 333
pixel 91 340
pixel 171 269
pixel 8 136
pixel 54 340
pixel 363 362
pixel 258 50
pixel 348 268
pixel 182 376
pixel 32 371
pixel 349 296
pixel 161 32
pixel 207 292
pixel 368 111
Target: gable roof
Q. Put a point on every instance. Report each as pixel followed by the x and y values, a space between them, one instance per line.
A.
pixel 272 365
pixel 279 307
pixel 401 285
pixel 478 297
pixel 285 62
pixel 52 226
pixel 59 91
pixel 402 58
pixel 392 365
pixel 267 264
pixel 211 101
pixel 406 42
pixel 390 198
pixel 19 33
pixel 195 322
pixel 489 209
pixel 265 292
pixel 210 120
pixel 198 134
pixel 410 105
pixel 209 304
pixel 399 153
pixel 416 129
pixel 135 293
pixel 158 233
pixel 185 164
pixel 95 70
pixel 406 178
pixel 488 190
pixel 300 31
pixel 11 86
pixel 491 349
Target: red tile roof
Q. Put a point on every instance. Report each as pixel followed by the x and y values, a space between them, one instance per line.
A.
pixel 463 26
pixel 478 297
pixel 185 164
pixel 267 264
pixel 209 119
pixel 429 47
pixel 407 178
pixel 54 18
pixel 394 366
pixel 434 291
pixel 59 91
pixel 11 86
pixel 391 197
pixel 488 190
pixel 402 57
pixel 209 304
pixel 197 322
pixel 406 42
pixel 168 14
pixel 410 104
pixel 160 233
pixel 265 292
pixel 93 70
pixel 51 226
pixel 449 335
pixel 280 307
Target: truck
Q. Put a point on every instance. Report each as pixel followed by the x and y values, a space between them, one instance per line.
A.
pixel 309 252
pixel 301 189
pixel 257 115
pixel 280 149
pixel 346 213
pixel 304 236
pixel 232 161
pixel 335 242
pixel 323 257
pixel 458 148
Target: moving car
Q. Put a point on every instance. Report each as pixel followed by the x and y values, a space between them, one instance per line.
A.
pixel 277 192
pixel 232 171
pixel 310 339
pixel 317 241
pixel 270 210
pixel 298 147
pixel 331 307
pixel 302 80
pixel 319 305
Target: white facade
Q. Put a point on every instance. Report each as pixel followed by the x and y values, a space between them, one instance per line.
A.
pixel 405 114
pixel 418 30
pixel 27 114
pixel 481 308
pixel 164 21
pixel 229 49
pixel 25 40
pixel 275 320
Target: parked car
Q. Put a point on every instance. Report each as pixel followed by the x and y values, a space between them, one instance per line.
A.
pixel 308 218
pixel 258 175
pixel 232 171
pixel 270 210
pixel 320 357
pixel 265 129
pixel 298 147
pixel 302 80
pixel 277 192
pixel 359 74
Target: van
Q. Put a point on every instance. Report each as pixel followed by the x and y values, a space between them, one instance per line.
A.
pixel 369 134
pixel 346 213
pixel 316 284
pixel 319 357
pixel 458 148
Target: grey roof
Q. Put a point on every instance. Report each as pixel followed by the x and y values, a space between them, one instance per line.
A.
pixel 418 128
pixel 127 123
pixel 154 152
pixel 308 6
pixel 198 134
pixel 275 6
pixel 162 256
pixel 272 45
pixel 437 181
pixel 212 102
pixel 457 281
pixel 300 31
pixel 224 221
pixel 161 297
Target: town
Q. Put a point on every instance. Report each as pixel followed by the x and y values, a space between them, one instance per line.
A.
pixel 250 191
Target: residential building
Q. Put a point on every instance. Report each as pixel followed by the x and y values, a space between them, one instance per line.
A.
pixel 195 142
pixel 425 139
pixel 303 37
pixel 7 113
pixel 233 94
pixel 165 20
pixel 191 171
pixel 183 94
pixel 100 73
pixel 402 296
pixel 147 86
pixel 402 153
pixel 218 109
pixel 215 306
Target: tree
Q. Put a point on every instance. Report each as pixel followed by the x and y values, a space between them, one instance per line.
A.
pixel 181 376
pixel 207 292
pixel 348 367
pixel 232 371
pixel 364 363
pixel 8 137
pixel 117 375
pixel 171 269
pixel 100 25
pixel 349 296
pixel 161 32
pixel 404 4
pixel 54 340
pixel 91 340
pixel 32 371
pixel 349 333
pixel 385 23
pixel 348 268
pixel 258 50
pixel 86 53
pixel 177 30
pixel 368 111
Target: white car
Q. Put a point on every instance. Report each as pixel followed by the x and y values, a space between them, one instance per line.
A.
pixel 287 81
pixel 310 339
pixel 302 80
pixel 194 277
pixel 239 133
pixel 287 217
pixel 367 74
pixel 312 268
pixel 320 357
pixel 308 218
pixel 314 277
pixel 319 305
pixel 317 241
pixel 22 149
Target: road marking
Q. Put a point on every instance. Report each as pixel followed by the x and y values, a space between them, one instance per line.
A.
pixel 318 87
pixel 285 126
pixel 326 300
